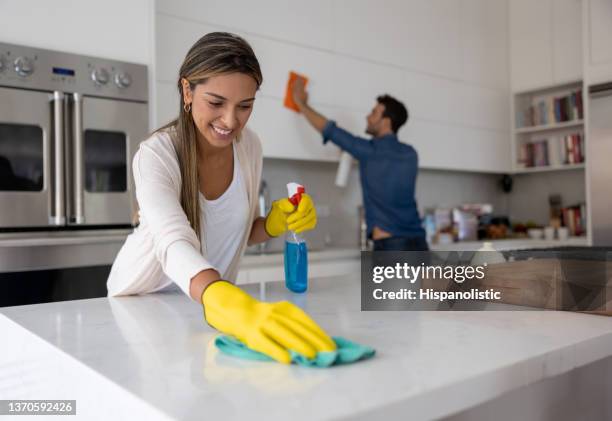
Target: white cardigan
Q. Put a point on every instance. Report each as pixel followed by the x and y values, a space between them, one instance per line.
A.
pixel 164 242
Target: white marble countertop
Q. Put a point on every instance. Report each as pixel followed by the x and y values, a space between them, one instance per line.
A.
pixel 152 357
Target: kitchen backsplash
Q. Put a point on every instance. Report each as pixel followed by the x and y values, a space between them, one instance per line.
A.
pixel 529 198
pixel 338 217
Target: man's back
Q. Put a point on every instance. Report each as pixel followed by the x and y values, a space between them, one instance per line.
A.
pixel 388 170
pixel 388 179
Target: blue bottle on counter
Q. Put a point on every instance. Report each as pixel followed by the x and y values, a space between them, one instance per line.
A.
pixel 296 263
pixel 296 250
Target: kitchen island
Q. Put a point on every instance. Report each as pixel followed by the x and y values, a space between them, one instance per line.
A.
pixel 153 357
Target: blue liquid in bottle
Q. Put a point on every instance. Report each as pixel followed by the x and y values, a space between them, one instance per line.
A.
pixel 296 263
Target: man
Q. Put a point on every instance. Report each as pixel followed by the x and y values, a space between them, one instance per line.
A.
pixel 388 171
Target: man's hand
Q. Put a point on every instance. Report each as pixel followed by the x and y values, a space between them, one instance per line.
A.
pixel 300 96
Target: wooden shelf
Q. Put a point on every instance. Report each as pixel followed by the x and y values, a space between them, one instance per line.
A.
pixel 548 127
pixel 549 168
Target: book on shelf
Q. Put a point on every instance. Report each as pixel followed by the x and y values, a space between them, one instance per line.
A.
pixel 574 218
pixel 550 110
pixel 553 151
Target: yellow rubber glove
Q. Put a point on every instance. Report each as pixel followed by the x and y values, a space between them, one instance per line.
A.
pixel 305 216
pixel 270 328
pixel 284 215
pixel 276 221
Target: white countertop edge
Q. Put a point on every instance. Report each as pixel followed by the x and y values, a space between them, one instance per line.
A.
pixel 42 371
pixel 465 393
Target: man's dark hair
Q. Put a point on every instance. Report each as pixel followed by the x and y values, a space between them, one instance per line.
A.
pixel 395 110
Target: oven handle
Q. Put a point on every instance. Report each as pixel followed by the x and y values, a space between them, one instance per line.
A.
pixel 79 213
pixel 59 216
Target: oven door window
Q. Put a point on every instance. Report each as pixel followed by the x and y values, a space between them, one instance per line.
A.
pixel 105 161
pixel 21 157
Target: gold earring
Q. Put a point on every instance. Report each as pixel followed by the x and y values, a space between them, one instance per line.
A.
pixel 187 107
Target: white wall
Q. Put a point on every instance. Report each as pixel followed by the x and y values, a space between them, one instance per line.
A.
pixel 113 29
pixel 446 59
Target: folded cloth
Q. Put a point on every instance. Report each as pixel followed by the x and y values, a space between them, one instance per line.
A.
pixel 346 352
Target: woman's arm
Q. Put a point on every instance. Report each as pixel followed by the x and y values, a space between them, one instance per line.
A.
pixel 258 232
pixel 201 281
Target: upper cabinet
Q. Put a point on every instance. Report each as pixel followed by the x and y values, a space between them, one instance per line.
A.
pixel 446 60
pixel 567 41
pixel 545 43
pixel 597 15
pixel 116 29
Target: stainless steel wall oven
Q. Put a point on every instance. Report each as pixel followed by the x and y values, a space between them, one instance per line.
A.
pixel 69 127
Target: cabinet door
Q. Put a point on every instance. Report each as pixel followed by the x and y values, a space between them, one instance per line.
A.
pixel 598 35
pixel 530 44
pixel 567 40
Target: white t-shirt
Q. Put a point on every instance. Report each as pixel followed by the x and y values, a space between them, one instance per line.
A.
pixel 164 248
pixel 225 221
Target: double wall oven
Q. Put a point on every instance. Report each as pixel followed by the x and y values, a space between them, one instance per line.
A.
pixel 69 127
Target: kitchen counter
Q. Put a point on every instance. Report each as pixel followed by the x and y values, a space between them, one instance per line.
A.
pixel 255 260
pixel 152 357
pixel 512 244
pixel 270 267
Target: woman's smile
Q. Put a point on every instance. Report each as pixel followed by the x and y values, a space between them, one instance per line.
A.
pixel 222 133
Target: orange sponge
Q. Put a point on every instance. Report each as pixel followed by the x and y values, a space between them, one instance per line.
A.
pixel 289 102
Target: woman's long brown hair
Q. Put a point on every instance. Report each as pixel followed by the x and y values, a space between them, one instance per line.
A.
pixel 214 54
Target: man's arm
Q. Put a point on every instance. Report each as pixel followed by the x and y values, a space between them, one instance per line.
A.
pixel 356 146
pixel 314 118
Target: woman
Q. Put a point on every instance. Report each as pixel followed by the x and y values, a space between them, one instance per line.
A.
pixel 196 184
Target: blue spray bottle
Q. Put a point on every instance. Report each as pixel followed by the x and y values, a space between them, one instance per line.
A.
pixel 296 251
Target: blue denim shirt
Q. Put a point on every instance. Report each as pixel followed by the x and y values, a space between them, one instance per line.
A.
pixel 388 171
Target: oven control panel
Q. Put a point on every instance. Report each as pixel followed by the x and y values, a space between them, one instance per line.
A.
pixel 33 68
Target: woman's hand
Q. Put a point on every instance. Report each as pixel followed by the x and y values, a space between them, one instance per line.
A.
pixel 284 215
pixel 270 328
pixel 305 216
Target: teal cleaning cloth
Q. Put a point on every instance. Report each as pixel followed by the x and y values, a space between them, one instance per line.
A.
pixel 346 352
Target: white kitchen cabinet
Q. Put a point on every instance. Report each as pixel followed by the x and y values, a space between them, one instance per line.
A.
pixel 420 35
pixel 305 23
pixel 452 147
pixel 567 41
pixel 530 44
pixel 484 53
pixel 286 134
pixel 115 29
pixel 597 19
pixel 445 59
pixel 321 264
pixel 545 43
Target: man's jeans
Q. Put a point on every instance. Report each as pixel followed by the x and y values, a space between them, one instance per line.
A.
pixel 401 244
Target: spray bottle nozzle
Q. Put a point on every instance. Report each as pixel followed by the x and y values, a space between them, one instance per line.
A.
pixel 295 192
